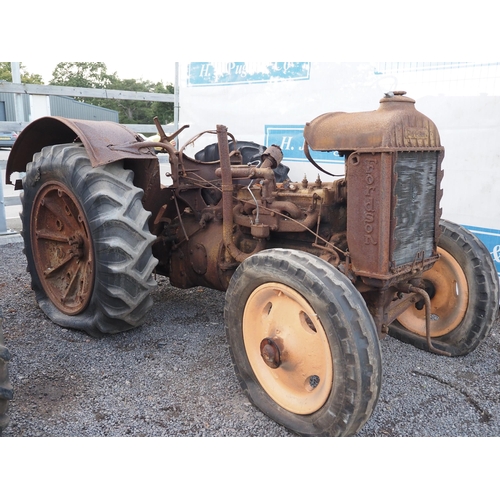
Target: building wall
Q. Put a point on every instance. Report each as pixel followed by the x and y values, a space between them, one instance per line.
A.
pixel 69 108
pixel 59 106
pixel 10 110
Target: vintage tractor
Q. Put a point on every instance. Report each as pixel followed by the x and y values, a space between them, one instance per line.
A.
pixel 315 272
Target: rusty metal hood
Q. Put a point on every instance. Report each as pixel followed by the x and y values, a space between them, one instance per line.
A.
pixel 395 124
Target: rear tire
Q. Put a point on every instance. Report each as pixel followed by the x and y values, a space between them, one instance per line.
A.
pixel 303 344
pixel 86 241
pixel 463 286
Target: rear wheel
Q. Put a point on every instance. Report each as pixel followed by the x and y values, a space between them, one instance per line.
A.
pixel 303 343
pixel 463 288
pixel 87 241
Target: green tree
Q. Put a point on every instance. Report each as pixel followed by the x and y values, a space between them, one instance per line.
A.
pixel 6 74
pixel 95 75
pixel 82 74
pixel 142 111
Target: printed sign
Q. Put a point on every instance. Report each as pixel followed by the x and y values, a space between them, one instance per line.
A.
pixel 290 139
pixel 491 238
pixel 236 73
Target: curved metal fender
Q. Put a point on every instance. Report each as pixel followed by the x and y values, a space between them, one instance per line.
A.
pixel 105 142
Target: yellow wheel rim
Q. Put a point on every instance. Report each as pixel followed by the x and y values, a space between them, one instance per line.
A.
pixel 287 348
pixel 448 302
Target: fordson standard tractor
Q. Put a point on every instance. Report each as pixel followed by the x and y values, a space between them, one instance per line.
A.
pixel 315 272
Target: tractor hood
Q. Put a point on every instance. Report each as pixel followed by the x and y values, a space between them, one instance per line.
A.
pixel 395 124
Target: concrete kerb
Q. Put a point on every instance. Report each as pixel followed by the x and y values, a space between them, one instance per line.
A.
pixel 10 237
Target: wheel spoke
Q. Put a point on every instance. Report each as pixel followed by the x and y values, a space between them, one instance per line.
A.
pixel 50 236
pixel 61 209
pixel 49 272
pixel 73 278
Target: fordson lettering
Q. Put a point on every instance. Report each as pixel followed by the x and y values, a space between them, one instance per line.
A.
pixel 368 204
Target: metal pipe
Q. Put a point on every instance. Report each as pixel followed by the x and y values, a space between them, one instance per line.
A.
pixel 427 301
pixel 15 68
pixel 176 103
pixel 248 172
pixel 227 200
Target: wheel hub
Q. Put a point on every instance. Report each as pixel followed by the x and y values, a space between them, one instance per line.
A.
pixel 270 353
pixel 448 289
pixel 293 361
pixel 62 248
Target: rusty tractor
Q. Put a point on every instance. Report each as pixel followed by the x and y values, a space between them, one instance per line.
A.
pixel 315 272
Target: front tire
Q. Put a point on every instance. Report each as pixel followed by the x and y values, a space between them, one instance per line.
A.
pixel 463 287
pixel 303 344
pixel 86 241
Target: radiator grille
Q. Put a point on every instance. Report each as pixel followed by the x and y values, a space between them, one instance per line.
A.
pixel 414 212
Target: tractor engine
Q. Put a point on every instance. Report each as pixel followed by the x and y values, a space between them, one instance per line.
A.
pixel 379 225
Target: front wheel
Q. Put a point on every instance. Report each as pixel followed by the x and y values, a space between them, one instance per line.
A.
pixel 463 288
pixel 86 241
pixel 303 344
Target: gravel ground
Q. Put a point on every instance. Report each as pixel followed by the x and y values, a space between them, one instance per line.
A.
pixel 173 375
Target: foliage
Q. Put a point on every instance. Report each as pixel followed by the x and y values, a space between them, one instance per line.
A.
pixel 95 75
pixel 142 111
pixel 81 74
pixel 6 74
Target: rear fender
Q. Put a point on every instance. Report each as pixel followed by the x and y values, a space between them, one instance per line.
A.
pixel 105 142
